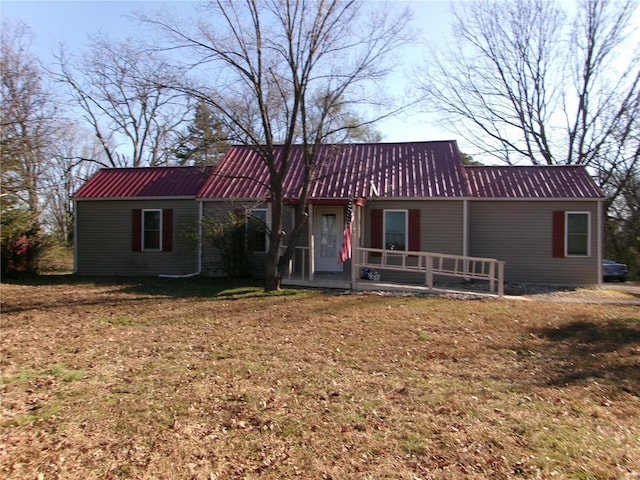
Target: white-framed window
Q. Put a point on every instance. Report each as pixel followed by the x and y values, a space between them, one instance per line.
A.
pixel 577 234
pixel 396 229
pixel 256 237
pixel 152 230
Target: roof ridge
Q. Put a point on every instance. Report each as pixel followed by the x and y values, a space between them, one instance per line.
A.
pixel 572 165
pixel 150 167
pixel 415 142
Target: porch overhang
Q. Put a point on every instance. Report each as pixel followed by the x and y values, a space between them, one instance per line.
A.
pixel 320 202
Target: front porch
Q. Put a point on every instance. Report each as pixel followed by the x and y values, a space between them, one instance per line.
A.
pixel 342 281
pixel 317 265
pixel 402 271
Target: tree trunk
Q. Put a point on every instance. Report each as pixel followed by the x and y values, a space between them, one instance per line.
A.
pixel 272 275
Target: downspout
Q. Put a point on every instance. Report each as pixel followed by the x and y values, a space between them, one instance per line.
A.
pixel 200 247
pixel 600 241
pixel 199 257
pixel 75 236
pixel 465 227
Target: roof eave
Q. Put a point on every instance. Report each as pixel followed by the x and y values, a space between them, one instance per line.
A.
pixel 537 199
pixel 180 197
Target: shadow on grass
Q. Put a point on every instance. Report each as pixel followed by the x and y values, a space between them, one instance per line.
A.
pixel 195 287
pixel 594 337
pixel 585 350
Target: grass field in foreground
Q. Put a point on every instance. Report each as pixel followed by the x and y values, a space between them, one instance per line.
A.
pixel 194 379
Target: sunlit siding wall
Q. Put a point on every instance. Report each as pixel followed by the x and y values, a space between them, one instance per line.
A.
pixel 104 239
pixel 441 227
pixel 440 223
pixel 502 230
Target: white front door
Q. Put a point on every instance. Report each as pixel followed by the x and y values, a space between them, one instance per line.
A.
pixel 327 230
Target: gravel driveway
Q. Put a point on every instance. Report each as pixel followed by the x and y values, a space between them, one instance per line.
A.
pixel 627 293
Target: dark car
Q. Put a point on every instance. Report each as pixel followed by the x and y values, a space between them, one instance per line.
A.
pixel 614 271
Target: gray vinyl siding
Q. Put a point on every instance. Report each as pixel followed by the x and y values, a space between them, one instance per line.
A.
pixel 440 223
pixel 520 233
pixel 517 232
pixel 441 231
pixel 104 239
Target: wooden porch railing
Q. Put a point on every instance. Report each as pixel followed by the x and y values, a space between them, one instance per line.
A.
pixel 428 263
pixel 433 264
pixel 303 262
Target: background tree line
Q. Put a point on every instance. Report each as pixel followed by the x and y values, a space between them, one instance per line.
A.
pixel 523 81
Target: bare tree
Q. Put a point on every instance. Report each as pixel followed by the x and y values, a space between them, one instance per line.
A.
pixel 27 116
pixel 27 112
pixel 524 82
pixel 286 72
pixel 521 82
pixel 75 156
pixel 119 88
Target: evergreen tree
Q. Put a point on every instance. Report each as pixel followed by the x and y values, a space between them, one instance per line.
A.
pixel 205 141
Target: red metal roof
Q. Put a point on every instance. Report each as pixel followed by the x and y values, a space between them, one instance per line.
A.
pixel 396 170
pixel 385 170
pixel 144 182
pixel 559 181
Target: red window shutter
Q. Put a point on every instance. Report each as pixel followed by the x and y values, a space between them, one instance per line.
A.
pixel 414 230
pixel 558 234
pixel 136 230
pixel 167 230
pixel 376 228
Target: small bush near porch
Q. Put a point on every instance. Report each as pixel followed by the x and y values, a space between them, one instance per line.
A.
pixel 171 379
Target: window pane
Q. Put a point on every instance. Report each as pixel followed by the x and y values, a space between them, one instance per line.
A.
pixel 328 240
pixel 152 240
pixel 578 223
pixel 577 234
pixel 151 230
pixel 577 245
pixel 152 220
pixel 395 228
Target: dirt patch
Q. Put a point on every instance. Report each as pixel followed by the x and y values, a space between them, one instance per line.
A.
pixel 197 379
pixel 621 293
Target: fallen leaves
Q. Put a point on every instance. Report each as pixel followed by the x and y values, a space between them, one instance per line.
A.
pixel 107 380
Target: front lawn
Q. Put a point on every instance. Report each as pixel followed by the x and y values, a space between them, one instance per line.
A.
pixel 195 379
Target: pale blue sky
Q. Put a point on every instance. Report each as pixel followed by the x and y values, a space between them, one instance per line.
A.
pixel 70 22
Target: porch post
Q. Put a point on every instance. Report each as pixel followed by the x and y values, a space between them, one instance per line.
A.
pixel 355 244
pixel 492 277
pixel 312 255
pixel 429 274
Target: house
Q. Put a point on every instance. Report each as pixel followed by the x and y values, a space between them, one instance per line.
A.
pixel 419 211
pixel 127 221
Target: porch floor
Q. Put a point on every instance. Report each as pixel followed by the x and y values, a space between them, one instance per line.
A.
pixel 342 281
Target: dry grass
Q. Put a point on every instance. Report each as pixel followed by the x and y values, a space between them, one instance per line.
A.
pixel 191 379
